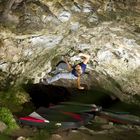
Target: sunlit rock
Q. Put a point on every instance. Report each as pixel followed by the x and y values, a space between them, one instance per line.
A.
pixel 21 138
pixel 74 26
pixel 76 8
pixel 46 41
pixel 64 16
pixel 93 18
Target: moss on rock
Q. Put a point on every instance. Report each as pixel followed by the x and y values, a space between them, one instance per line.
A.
pixel 17 96
pixel 7 117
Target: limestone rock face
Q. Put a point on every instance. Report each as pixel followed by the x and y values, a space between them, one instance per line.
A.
pixel 108 30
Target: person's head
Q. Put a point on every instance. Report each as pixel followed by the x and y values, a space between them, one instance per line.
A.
pixel 78 70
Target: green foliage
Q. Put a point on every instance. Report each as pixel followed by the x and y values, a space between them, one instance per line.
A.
pixel 7 117
pixel 4 137
pixel 13 99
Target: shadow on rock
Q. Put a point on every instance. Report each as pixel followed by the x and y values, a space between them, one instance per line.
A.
pixel 44 95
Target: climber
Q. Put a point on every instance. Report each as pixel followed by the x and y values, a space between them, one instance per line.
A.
pixel 74 72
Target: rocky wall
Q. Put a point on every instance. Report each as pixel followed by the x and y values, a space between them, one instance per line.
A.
pixel 45 30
